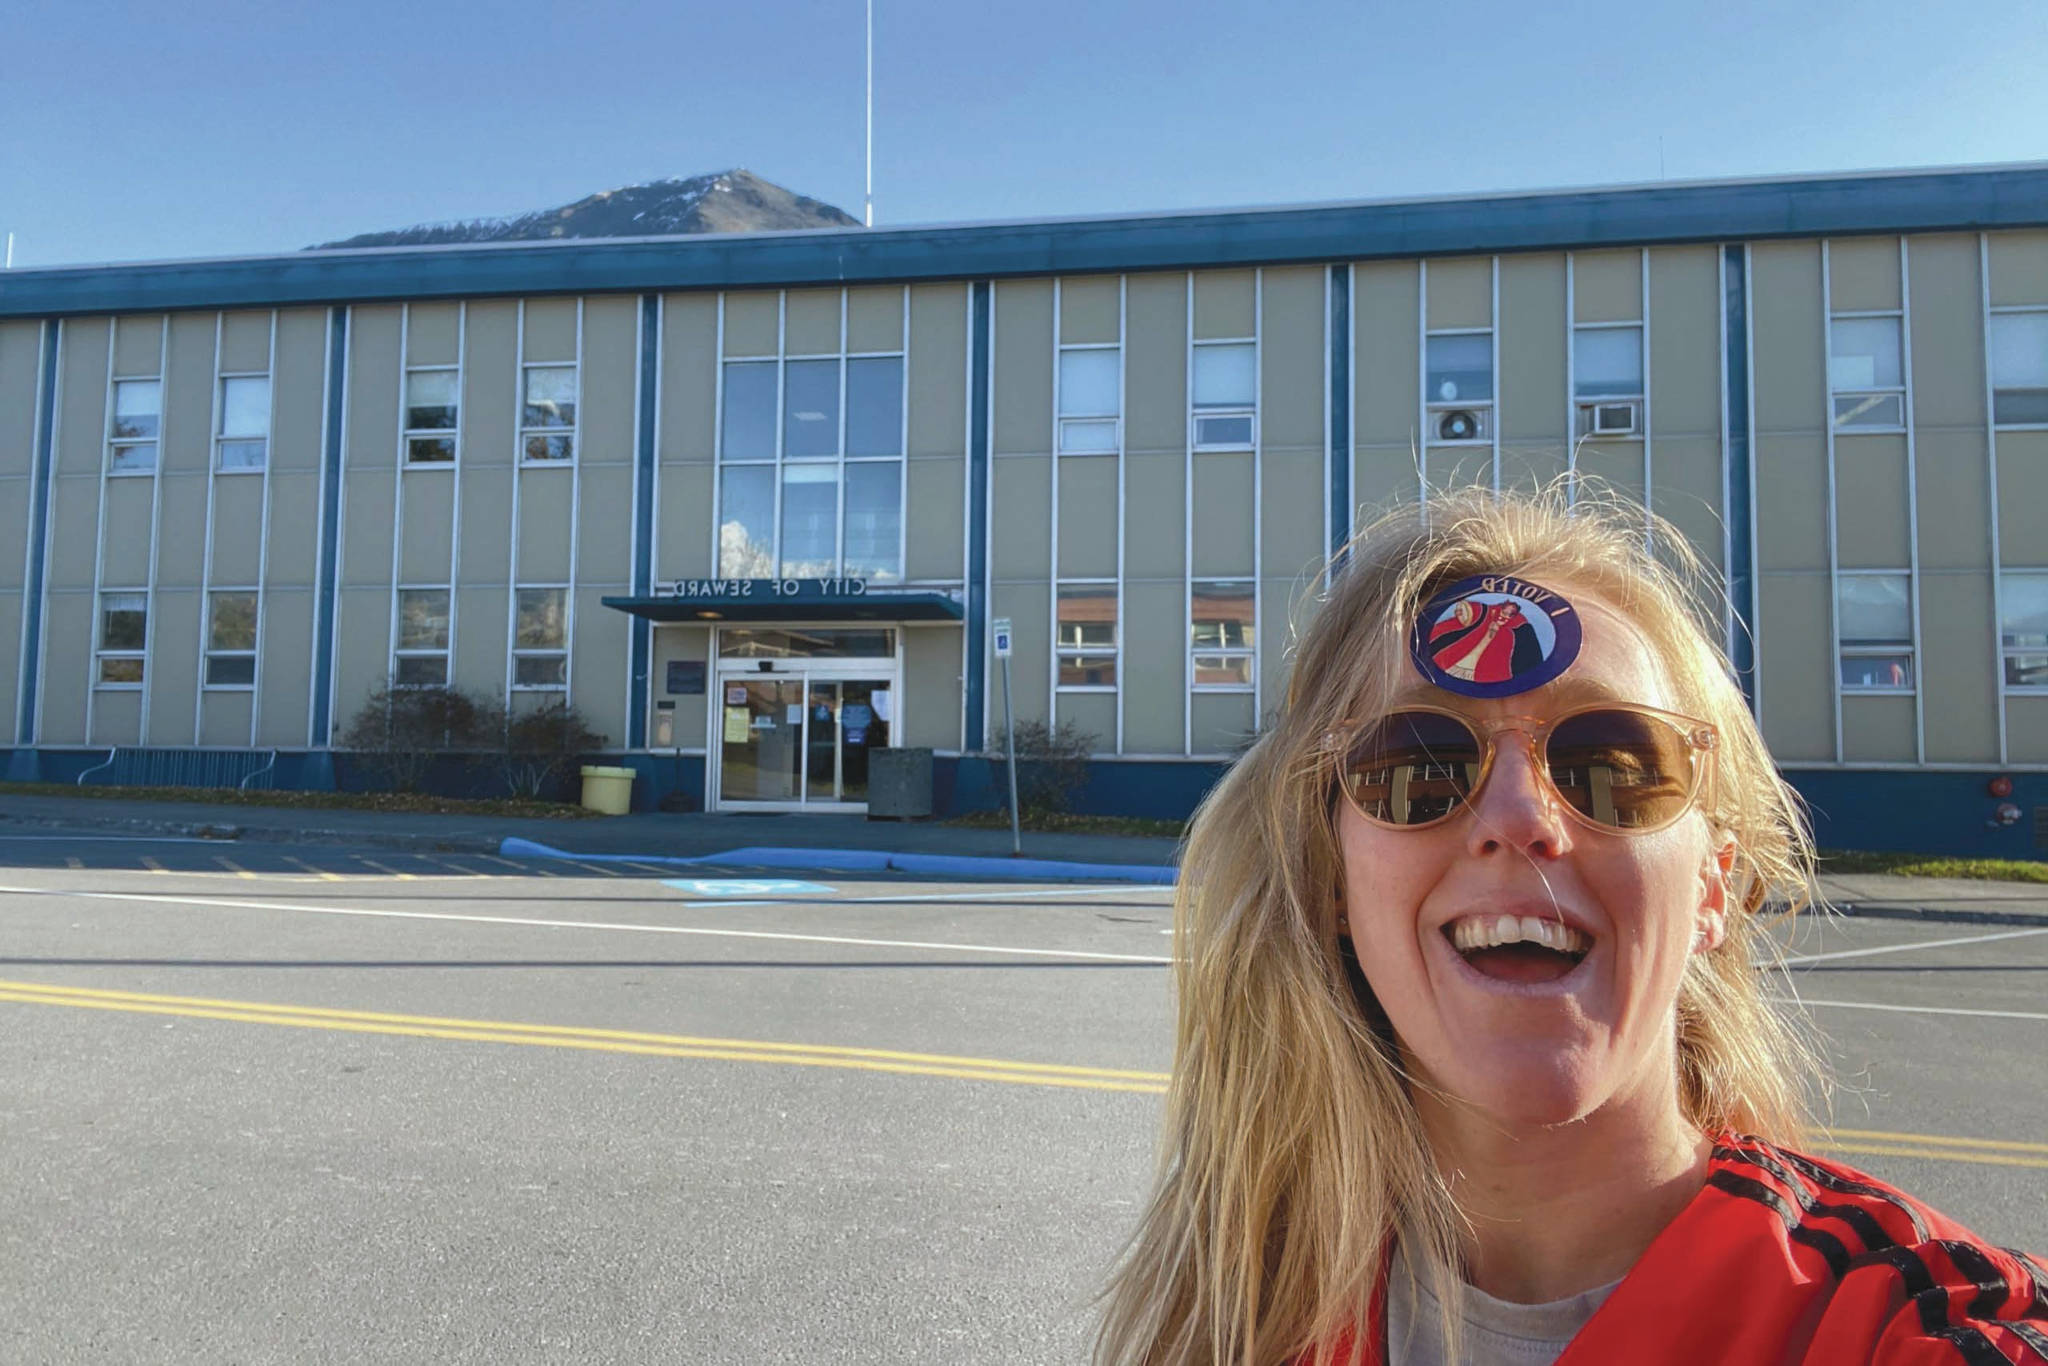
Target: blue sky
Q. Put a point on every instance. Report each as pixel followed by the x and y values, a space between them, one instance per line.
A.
pixel 144 131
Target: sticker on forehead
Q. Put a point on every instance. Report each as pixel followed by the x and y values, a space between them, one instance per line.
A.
pixel 1494 635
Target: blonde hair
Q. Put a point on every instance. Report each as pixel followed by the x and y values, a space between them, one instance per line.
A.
pixel 1292 1150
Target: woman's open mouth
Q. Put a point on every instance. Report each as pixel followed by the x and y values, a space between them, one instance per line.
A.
pixel 1518 948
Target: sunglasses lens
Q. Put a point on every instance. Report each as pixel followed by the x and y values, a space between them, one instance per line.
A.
pixel 1412 768
pixel 1622 768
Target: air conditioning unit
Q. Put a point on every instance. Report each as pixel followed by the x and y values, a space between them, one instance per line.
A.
pixel 1610 419
pixel 1461 424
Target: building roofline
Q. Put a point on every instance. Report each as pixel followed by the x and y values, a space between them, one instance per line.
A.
pixel 1969 198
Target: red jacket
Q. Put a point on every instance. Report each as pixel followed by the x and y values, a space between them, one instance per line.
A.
pixel 1790 1260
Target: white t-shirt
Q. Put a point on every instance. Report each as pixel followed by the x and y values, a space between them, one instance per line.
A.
pixel 1496 1332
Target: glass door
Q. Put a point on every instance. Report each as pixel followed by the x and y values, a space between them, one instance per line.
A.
pixel 864 711
pixel 761 752
pixel 795 740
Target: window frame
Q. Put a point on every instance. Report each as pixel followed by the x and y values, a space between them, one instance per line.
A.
pixel 2008 653
pixel 1583 405
pixel 210 652
pixel 1433 406
pixel 409 434
pixel 116 444
pixel 1199 411
pixel 1993 313
pixel 1064 421
pixel 102 654
pixel 401 651
pixel 556 652
pixel 1909 648
pixel 572 431
pixel 1114 651
pixel 1872 392
pixel 222 439
pixel 1248 651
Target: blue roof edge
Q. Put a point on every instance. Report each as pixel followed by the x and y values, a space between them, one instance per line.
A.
pixel 1740 210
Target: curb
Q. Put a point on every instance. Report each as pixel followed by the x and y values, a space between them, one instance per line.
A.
pixel 1941 913
pixel 226 831
pixel 871 861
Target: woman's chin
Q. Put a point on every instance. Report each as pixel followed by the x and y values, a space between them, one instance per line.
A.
pixel 1528 1096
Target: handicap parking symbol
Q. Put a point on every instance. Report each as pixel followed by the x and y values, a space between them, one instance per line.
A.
pixel 733 886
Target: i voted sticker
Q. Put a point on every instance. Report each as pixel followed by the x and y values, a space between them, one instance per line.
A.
pixel 1494 635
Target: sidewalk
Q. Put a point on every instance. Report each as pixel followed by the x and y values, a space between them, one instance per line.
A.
pixel 657 834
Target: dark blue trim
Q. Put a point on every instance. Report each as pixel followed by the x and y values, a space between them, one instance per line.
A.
pixel 976 721
pixel 1741 553
pixel 643 521
pixel 1892 202
pixel 321 732
pixel 1340 453
pixel 39 539
pixel 765 606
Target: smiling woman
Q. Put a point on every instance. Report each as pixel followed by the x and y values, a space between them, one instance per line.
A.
pixel 1474 1058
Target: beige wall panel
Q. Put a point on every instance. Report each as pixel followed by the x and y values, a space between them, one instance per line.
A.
pixel 1156 364
pixel 2022 493
pixel 597 663
pixel 1276 608
pixel 362 650
pixel 874 318
pixel 689 376
pixel 810 324
pixel 1386 388
pixel 543 526
pixel 1877 730
pixel 1607 286
pixel 2019 267
pixel 1531 383
pixel 1460 292
pixel 224 719
pixel 10 637
pixel 936 371
pixel 139 343
pixel 1291 506
pixel 1094 713
pixel 425 548
pixel 1790 356
pixel 1452 467
pixel 1223 722
pixel 1225 303
pixel 367 526
pixel 550 330
pixel 1022 391
pixel 74 526
pixel 237 531
pixel 245 341
pixel 1871 528
pixel 117 719
pixel 485 498
pixel 1686 489
pixel 294 530
pixel 1954 502
pixel 683 523
pixel 1088 517
pixel 131 508
pixel 1155 666
pixel 490 386
pixel 931 688
pixel 1020 518
pixel 681 643
pixel 68 623
pixel 1526 466
pixel 1028 606
pixel 1863 274
pixel 1293 363
pixel 82 396
pixel 1796 670
pixel 181 512
pixel 173 671
pixel 188 395
pixel 2026 730
pixel 1685 343
pixel 611 367
pixel 479 662
pixel 15 521
pixel 935 548
pixel 298 391
pixel 1619 463
pixel 752 322
pixel 1791 475
pixel 1155 516
pixel 433 334
pixel 604 544
pixel 1947 340
pixel 1091 309
pixel 287 668
pixel 1381 476
pixel 21 363
pixel 373 367
pixel 1223 515
pixel 1958 682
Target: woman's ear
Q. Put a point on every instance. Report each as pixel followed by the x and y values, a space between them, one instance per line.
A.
pixel 1710 922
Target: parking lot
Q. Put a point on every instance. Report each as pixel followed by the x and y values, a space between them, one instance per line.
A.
pixel 305 1103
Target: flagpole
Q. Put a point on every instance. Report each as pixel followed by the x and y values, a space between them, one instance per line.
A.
pixel 871 115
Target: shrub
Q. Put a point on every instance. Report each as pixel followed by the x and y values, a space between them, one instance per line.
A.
pixel 1052 764
pixel 541 745
pixel 400 731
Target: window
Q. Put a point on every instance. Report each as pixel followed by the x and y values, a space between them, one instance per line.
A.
pixel 1226 394
pixel 540 639
pixel 2023 627
pixel 132 436
pixel 433 414
pixel 231 639
pixel 243 441
pixel 1091 399
pixel 2019 369
pixel 1220 635
pixel 422 657
pixel 810 410
pixel 124 635
pixel 547 418
pixel 748 429
pixel 1458 386
pixel 1874 619
pixel 1086 635
pixel 1865 374
pixel 1607 380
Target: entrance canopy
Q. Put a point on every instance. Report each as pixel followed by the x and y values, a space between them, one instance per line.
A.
pixel 700 600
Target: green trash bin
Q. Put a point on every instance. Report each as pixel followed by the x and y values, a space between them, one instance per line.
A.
pixel 607 789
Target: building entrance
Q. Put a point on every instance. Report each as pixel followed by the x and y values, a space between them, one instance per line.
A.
pixel 799 712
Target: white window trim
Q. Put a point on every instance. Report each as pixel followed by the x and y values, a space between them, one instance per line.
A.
pixel 2006 651
pixel 409 434
pixel 444 653
pixel 1062 420
pixel 1196 412
pixel 1432 406
pixel 1897 391
pixel 1248 652
pixel 220 438
pixel 1991 382
pixel 1582 404
pixel 1115 649
pixel 520 652
pixel 1909 648
pixel 99 631
pixel 208 653
pixel 116 444
pixel 574 431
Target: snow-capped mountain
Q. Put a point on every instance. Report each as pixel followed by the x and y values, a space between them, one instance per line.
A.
pixel 728 201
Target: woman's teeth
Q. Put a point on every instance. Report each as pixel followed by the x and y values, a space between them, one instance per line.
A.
pixel 1492 931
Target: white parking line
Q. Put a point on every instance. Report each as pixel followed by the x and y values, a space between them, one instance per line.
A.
pixel 112 839
pixel 1914 1010
pixel 1908 948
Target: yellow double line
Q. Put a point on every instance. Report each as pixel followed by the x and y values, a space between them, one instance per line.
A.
pixel 1935 1147
pixel 592 1040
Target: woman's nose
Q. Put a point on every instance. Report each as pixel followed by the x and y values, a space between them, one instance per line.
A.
pixel 1516 809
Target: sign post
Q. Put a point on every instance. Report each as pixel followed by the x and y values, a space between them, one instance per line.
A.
pixel 1001 628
